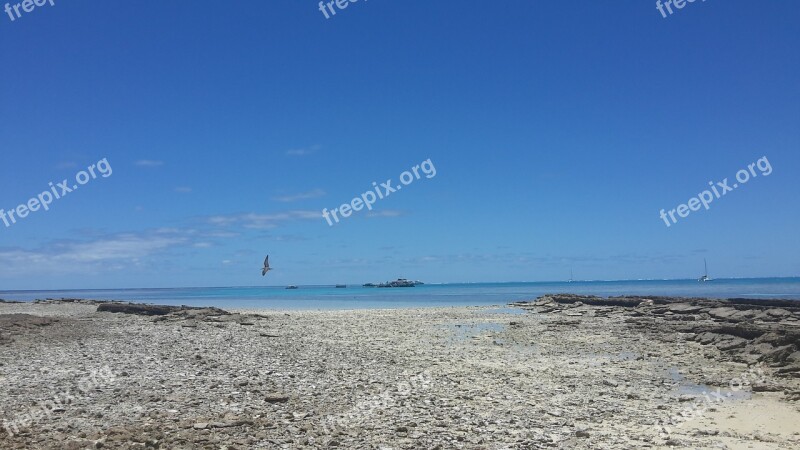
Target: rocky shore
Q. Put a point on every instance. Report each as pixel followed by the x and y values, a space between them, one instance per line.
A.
pixel 563 371
pixel 743 330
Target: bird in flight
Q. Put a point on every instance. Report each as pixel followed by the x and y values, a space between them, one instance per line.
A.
pixel 266 266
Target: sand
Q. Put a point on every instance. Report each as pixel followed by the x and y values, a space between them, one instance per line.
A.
pixel 467 377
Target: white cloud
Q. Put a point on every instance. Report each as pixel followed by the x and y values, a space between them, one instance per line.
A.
pixel 386 213
pixel 300 196
pixel 221 234
pixel 149 163
pixel 264 221
pixel 66 165
pixel 77 256
pixel 183 189
pixel 305 151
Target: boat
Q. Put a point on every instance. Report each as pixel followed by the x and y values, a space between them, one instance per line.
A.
pixel 705 277
pixel 369 285
pixel 291 286
pixel 400 282
pixel 341 286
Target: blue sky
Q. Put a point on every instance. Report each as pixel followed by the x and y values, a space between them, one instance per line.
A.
pixel 558 131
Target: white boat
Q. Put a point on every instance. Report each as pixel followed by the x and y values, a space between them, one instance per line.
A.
pixel 400 282
pixel 705 277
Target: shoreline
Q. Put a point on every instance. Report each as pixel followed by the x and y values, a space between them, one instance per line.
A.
pixel 561 372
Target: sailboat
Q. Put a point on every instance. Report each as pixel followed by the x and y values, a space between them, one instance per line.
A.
pixel 570 276
pixel 705 277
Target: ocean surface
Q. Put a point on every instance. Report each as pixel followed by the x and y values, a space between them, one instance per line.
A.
pixel 428 295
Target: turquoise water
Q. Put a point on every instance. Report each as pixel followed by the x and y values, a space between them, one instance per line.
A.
pixel 357 297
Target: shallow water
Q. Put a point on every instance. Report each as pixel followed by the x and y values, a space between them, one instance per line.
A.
pixel 428 295
pixel 473 330
pixel 512 311
pixel 687 387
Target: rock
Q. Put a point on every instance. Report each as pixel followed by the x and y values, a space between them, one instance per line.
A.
pixel 708 338
pixel 779 354
pixel 276 398
pixel 723 313
pixel 134 308
pixel 791 369
pixel 778 313
pixel 765 387
pixel 759 349
pixel 230 423
pixel 685 308
pixel 628 302
pixel 200 426
pixel 153 310
pixel 731 343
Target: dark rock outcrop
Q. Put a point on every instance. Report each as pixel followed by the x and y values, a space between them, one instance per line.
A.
pixel 156 310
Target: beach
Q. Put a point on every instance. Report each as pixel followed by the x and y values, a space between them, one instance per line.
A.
pixel 560 372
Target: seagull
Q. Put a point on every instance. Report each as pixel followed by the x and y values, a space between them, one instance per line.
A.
pixel 266 266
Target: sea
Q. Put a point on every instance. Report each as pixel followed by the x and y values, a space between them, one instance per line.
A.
pixel 427 295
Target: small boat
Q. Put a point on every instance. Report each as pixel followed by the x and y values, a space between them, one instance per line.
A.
pixel 341 286
pixel 291 286
pixel 705 277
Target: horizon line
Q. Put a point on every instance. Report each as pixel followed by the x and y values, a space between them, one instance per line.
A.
pixel 360 284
